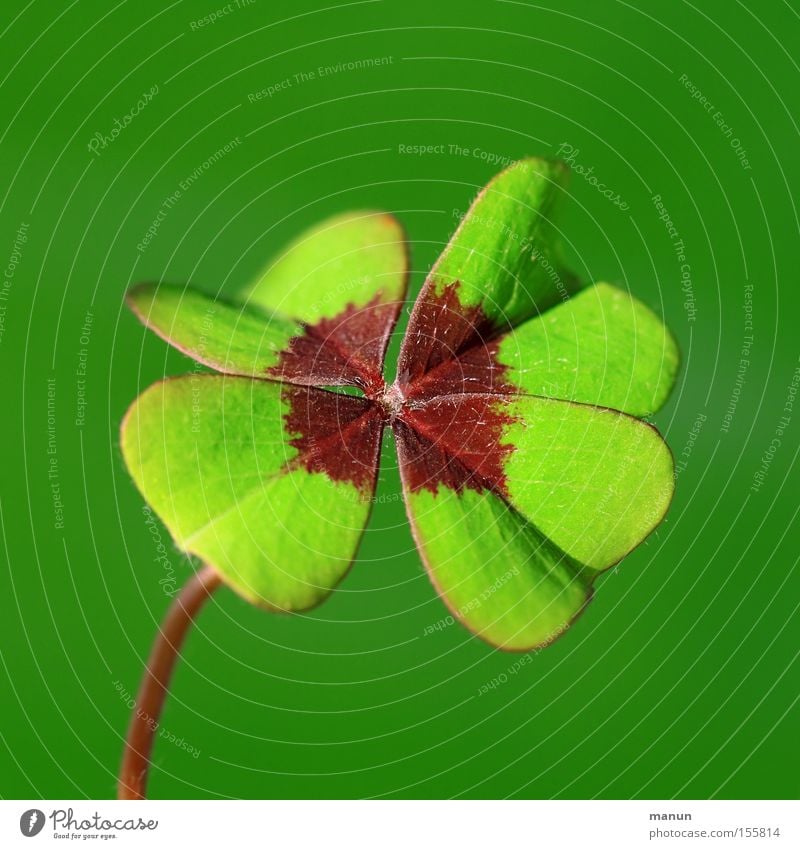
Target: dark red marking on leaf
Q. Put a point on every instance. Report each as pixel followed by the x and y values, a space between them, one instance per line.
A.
pixel 477 370
pixel 446 408
pixel 335 434
pixel 346 350
pixel 440 329
pixel 423 465
pixel 454 440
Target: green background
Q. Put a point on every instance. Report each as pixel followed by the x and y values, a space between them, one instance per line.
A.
pixel 680 678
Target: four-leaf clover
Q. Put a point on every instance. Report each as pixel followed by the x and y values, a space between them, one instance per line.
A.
pixel 516 410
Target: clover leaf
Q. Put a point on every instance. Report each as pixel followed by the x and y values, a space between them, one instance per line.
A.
pixel 513 415
pixel 526 468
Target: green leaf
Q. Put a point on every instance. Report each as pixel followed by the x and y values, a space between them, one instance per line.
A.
pixel 502 265
pixel 343 285
pixel 505 254
pixel 496 573
pixel 352 259
pixel 270 484
pixel 592 480
pixel 231 338
pixel 601 347
pixel 596 482
pixel 551 490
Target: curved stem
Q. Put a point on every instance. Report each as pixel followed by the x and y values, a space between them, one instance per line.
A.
pixel 132 782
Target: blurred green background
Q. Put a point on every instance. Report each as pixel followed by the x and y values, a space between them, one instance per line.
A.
pixel 680 679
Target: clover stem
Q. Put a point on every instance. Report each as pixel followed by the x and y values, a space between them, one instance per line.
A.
pixel 132 783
